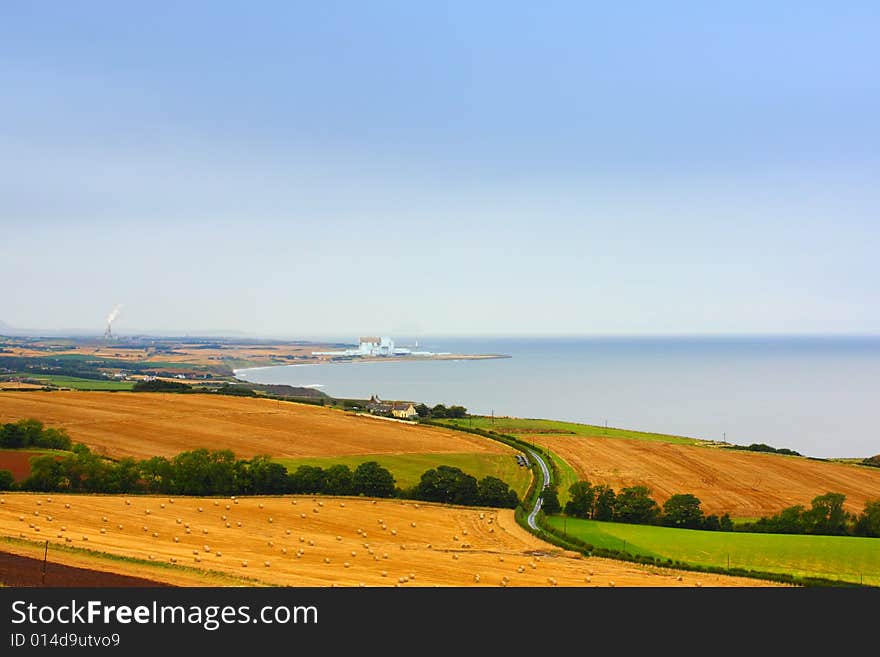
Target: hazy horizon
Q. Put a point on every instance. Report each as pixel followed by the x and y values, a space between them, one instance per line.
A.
pixel 451 169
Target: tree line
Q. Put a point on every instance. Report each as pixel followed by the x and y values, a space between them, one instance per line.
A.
pixel 219 472
pixel 439 411
pixel 635 505
pixel 826 516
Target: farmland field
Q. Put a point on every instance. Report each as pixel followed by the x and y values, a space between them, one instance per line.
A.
pixel 846 558
pixel 17 461
pixel 744 484
pixel 407 468
pixel 77 383
pixel 142 425
pixel 309 541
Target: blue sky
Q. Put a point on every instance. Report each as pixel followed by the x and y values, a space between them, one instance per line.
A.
pixel 303 169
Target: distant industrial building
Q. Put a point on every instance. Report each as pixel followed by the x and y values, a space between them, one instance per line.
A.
pixel 370 346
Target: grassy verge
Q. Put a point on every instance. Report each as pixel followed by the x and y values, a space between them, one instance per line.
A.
pixel 77 383
pixel 408 468
pixel 834 558
pixel 533 426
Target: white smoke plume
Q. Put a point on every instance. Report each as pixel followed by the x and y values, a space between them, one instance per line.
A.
pixel 113 314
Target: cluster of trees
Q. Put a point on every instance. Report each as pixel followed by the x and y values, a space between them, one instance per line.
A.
pixel 634 505
pixel 441 411
pixel 32 433
pixel 201 472
pixel 369 479
pixel 761 447
pixel 453 486
pixel 873 461
pixel 826 515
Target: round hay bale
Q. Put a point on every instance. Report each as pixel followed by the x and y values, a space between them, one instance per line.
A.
pixel 346 564
pixel 260 505
pixel 302 515
pixel 384 573
pixel 588 579
pixel 103 518
pixel 412 524
pixel 155 535
pixel 238 523
pixel 287 531
pixel 66 506
pixel 176 539
pixel 187 531
pixel 179 521
pixel 477 577
pixel 228 525
pixel 338 538
pixel 283 550
pixel 454 556
pixel 218 553
pixel 320 504
pixel 146 512
pixel 302 539
pixel 394 532
pixel 326 559
pixel 611 584
pixel 119 526
pixel 206 548
pixel 200 509
pixel 267 564
pixel 85 538
pixel 204 531
pixel 216 503
pixel 161 506
pixel 228 507
pixel 271 544
pixel 244 564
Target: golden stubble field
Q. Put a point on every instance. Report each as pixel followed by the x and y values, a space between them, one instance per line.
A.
pixel 744 484
pixel 317 541
pixel 143 425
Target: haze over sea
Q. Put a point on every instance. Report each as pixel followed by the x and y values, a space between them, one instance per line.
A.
pixel 817 395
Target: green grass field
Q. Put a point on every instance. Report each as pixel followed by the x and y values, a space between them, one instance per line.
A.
pixel 80 384
pixel 408 468
pixel 526 426
pixel 846 558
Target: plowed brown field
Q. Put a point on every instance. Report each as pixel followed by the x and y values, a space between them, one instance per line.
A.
pixel 142 425
pixel 317 541
pixel 744 484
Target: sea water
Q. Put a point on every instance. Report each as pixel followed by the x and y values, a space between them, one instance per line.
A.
pixel 817 395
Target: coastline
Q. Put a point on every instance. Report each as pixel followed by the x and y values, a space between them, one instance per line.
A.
pixel 371 359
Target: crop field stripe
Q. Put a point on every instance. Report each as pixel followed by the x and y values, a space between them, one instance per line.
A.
pixel 408 468
pixel 847 558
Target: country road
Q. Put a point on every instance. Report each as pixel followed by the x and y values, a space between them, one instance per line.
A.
pixel 540 501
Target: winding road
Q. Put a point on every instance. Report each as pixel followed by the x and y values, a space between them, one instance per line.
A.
pixel 540 500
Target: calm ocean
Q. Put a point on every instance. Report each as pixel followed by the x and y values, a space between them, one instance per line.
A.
pixel 819 396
